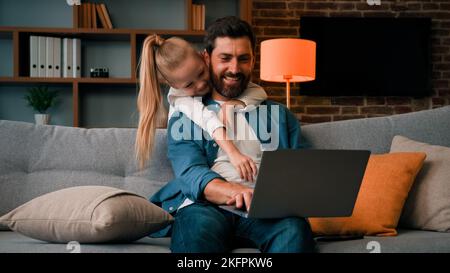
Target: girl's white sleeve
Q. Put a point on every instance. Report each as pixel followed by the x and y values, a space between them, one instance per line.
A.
pixel 253 95
pixel 195 110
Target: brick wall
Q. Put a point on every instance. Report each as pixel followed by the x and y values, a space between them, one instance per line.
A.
pixel 281 18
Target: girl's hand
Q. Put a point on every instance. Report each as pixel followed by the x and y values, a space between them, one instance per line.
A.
pixel 244 165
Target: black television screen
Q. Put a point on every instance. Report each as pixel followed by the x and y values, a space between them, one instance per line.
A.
pixel 369 56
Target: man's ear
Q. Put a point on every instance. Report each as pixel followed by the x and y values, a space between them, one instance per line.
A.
pixel 206 57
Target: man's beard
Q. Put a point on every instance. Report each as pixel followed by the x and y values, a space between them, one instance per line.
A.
pixel 229 91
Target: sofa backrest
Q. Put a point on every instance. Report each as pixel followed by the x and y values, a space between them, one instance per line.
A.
pixel 37 159
pixel 376 134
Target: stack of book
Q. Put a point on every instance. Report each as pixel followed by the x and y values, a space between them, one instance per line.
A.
pixel 198 17
pixel 89 14
pixel 49 58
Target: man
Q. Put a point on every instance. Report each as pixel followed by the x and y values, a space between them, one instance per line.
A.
pixel 200 225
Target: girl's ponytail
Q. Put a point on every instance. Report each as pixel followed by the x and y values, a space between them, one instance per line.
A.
pixel 150 105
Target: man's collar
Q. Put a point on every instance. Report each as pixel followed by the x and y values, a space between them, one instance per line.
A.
pixel 208 100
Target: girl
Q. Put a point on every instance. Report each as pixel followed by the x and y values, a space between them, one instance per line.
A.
pixel 175 62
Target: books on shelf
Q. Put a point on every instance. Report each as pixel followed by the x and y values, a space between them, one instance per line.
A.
pixel 67 58
pixel 76 58
pixel 92 15
pixel 53 57
pixel 34 52
pixel 198 16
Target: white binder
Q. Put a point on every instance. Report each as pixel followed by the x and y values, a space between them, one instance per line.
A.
pixel 41 56
pixel 49 57
pixel 76 62
pixel 67 58
pixel 57 57
pixel 34 51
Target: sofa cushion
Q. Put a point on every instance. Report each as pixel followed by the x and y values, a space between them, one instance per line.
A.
pixel 14 242
pixel 384 189
pixel 87 214
pixel 428 204
pixel 407 241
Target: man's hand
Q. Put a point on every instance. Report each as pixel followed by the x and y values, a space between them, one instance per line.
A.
pixel 221 192
pixel 242 195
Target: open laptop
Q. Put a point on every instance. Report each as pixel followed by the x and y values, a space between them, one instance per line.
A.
pixel 306 183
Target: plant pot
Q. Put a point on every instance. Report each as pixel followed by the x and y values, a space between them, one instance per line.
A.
pixel 42 119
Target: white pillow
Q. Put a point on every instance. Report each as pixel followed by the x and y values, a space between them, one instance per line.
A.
pixel 87 214
pixel 428 203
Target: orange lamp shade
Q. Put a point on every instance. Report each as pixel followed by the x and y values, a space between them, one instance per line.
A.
pixel 288 59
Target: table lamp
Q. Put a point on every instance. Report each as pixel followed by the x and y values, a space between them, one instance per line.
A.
pixel 288 60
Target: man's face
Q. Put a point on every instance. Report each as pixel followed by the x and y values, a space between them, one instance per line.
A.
pixel 231 65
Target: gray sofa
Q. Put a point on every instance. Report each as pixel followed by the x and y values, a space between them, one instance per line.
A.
pixel 35 160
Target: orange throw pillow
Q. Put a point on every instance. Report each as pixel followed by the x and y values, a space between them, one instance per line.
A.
pixel 384 189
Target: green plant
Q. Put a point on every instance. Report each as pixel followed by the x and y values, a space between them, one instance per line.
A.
pixel 40 98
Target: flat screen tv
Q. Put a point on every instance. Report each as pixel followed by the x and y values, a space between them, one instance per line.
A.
pixel 369 56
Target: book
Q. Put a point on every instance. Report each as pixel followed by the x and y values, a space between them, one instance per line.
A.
pixel 49 57
pixel 42 49
pixel 94 15
pixel 57 57
pixel 67 58
pixel 80 15
pixel 195 14
pixel 198 17
pixel 84 8
pixel 107 17
pixel 202 16
pixel 76 57
pixel 101 16
pixel 89 19
pixel 34 53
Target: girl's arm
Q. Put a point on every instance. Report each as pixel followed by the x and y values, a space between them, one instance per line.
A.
pixel 207 119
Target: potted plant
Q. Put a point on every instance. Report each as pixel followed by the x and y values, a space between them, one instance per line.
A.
pixel 41 99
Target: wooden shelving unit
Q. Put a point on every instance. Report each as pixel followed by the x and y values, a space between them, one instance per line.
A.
pixel 20 43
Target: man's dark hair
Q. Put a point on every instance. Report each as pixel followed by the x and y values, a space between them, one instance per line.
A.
pixel 230 26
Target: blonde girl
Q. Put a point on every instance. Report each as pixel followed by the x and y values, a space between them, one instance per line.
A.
pixel 175 62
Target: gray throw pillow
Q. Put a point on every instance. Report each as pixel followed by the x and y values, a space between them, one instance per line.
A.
pixel 87 214
pixel 428 204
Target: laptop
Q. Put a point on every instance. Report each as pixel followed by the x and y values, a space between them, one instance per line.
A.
pixel 306 183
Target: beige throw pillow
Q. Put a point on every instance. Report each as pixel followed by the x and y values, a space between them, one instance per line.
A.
pixel 87 214
pixel 428 203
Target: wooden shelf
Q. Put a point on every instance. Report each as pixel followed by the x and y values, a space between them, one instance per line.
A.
pixel 133 36
pixel 117 31
pixel 67 80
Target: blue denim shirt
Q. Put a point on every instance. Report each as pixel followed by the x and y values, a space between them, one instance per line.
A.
pixel 194 153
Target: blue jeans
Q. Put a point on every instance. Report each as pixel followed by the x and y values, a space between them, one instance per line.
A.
pixel 201 228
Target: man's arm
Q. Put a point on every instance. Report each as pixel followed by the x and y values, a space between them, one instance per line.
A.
pixel 188 157
pixel 221 192
pixel 189 163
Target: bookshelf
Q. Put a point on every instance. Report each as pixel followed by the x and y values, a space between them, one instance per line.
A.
pixel 96 102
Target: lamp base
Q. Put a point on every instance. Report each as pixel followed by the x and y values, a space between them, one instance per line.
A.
pixel 288 91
